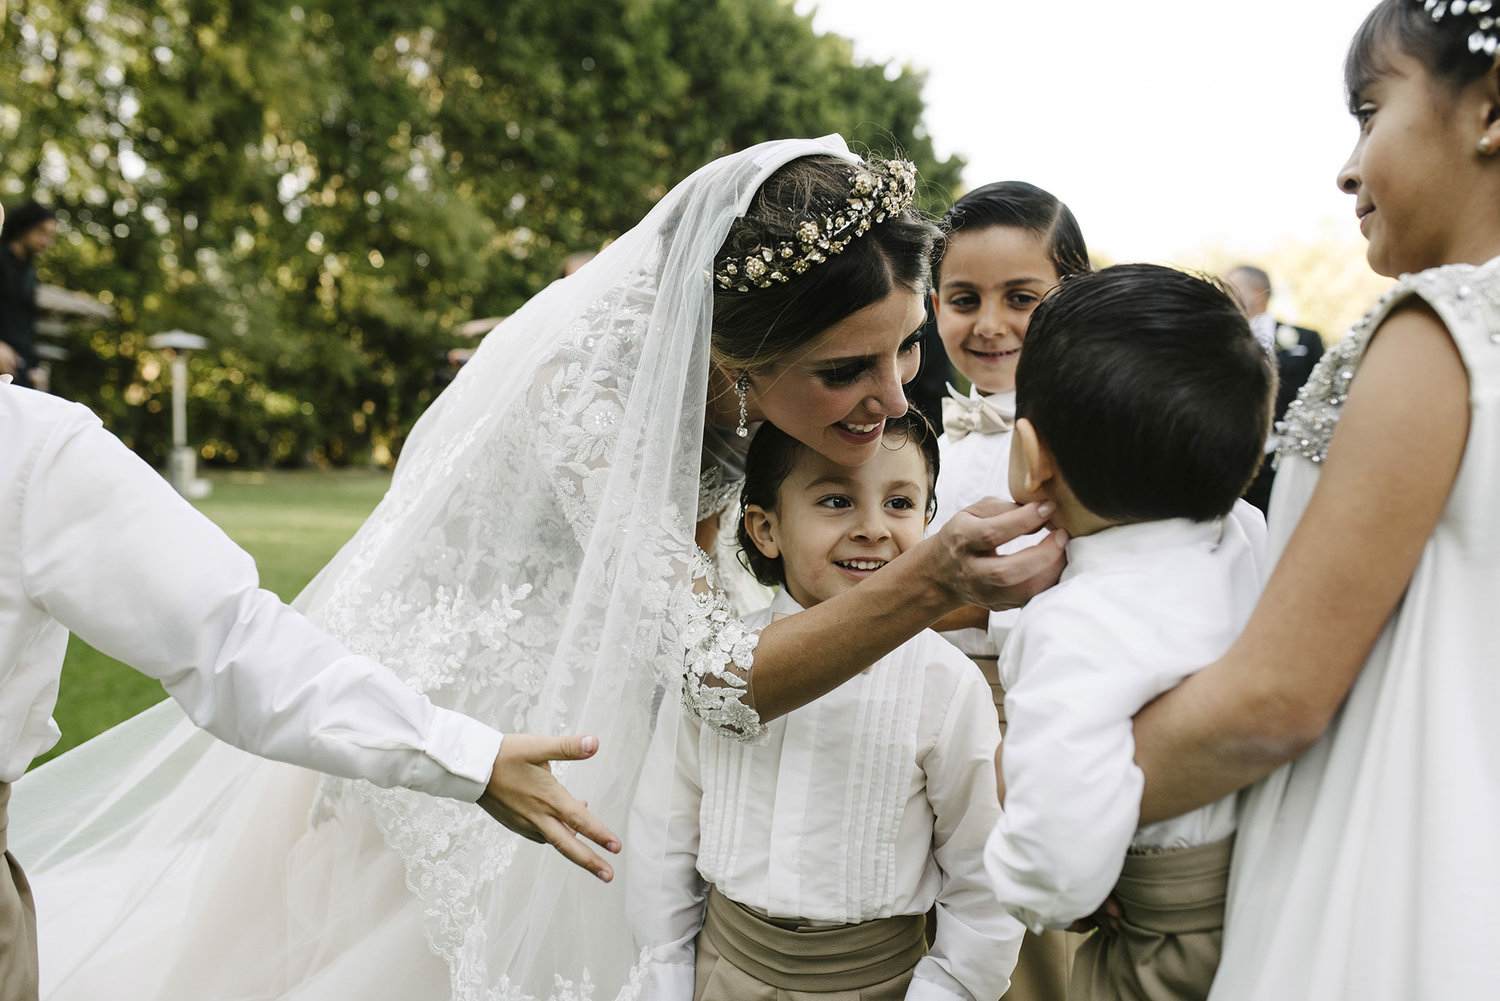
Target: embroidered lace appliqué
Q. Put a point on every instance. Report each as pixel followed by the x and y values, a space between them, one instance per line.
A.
pixel 475 615
pixel 716 489
pixel 720 654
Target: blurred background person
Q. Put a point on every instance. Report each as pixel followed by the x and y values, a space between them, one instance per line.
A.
pixel 28 231
pixel 1295 349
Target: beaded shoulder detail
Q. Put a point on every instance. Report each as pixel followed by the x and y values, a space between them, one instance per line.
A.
pixel 1464 296
pixel 1314 414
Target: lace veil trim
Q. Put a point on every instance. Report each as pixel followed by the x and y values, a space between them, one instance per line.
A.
pixel 534 565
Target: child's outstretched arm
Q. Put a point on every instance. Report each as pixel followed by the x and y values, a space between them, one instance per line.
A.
pixel 1384 485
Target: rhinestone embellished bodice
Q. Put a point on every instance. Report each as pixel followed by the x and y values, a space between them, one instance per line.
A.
pixel 1460 293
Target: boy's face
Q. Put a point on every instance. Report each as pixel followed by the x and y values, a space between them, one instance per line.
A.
pixel 992 280
pixel 836 525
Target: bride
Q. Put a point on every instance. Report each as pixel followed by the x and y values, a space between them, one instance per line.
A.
pixel 538 563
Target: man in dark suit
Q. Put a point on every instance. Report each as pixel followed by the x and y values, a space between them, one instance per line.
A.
pixel 1296 350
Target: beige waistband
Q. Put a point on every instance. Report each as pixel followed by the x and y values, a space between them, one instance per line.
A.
pixel 1176 890
pixel 800 957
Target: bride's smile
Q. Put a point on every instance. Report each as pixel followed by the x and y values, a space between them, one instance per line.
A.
pixel 834 397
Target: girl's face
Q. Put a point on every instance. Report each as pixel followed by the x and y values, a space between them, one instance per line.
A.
pixel 991 281
pixel 835 395
pixel 1414 171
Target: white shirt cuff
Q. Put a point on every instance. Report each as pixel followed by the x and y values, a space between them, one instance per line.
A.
pixel 670 981
pixel 922 989
pixel 465 749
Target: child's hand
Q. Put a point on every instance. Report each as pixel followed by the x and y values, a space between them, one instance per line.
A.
pixel 525 797
pixel 1106 919
pixel 975 575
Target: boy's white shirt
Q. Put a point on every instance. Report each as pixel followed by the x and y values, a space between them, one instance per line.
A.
pixel 881 795
pixel 972 468
pixel 1139 608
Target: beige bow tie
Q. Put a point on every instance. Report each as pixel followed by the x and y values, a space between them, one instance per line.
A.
pixel 963 416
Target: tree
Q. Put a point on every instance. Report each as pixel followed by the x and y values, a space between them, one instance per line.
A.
pixel 327 189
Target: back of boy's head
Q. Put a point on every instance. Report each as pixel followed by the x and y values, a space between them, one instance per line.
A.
pixel 774 453
pixel 1150 391
pixel 1017 205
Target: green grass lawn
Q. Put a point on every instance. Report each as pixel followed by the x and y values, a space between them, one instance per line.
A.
pixel 291 522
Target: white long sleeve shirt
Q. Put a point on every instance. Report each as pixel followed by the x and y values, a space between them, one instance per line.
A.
pixel 1139 608
pixel 92 540
pixel 972 468
pixel 872 801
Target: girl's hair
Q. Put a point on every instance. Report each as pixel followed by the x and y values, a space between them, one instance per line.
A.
pixel 1442 47
pixel 758 328
pixel 1018 205
pixel 772 456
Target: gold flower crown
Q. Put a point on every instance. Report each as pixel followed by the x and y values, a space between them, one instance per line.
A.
pixel 1485 37
pixel 879 191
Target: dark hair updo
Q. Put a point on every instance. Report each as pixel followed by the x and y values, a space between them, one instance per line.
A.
pixel 1442 47
pixel 773 453
pixel 758 328
pixel 1018 205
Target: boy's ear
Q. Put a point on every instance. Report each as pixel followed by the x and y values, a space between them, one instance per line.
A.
pixel 760 525
pixel 1039 466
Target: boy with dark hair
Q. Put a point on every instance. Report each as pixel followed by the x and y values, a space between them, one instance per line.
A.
pixel 1142 404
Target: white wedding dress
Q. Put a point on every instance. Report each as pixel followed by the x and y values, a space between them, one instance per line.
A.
pixel 533 565
pixel 1368 869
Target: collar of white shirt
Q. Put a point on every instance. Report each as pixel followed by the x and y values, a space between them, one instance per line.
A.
pixel 1126 544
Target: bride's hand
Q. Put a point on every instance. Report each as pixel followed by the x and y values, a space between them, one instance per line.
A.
pixel 525 797
pixel 973 573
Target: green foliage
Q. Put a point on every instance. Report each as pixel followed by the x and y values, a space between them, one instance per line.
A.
pixel 327 189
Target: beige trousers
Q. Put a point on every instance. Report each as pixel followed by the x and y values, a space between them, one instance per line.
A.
pixel 1046 960
pixel 745 956
pixel 1167 947
pixel 18 961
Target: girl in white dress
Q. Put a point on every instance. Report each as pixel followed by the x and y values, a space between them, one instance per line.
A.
pixel 535 566
pixel 1368 868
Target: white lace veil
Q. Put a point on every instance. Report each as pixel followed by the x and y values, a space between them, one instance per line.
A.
pixel 532 566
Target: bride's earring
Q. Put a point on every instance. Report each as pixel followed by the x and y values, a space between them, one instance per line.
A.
pixel 741 387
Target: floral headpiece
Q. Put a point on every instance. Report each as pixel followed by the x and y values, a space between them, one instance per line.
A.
pixel 1486 34
pixel 879 191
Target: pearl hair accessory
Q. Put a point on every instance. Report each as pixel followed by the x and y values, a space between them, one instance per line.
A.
pixel 879 191
pixel 1486 35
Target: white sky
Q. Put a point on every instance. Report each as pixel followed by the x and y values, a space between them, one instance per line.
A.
pixel 1168 126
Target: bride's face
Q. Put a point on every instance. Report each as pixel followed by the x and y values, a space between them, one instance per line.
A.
pixel 835 394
